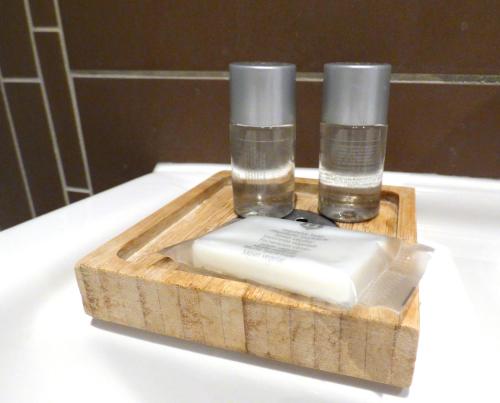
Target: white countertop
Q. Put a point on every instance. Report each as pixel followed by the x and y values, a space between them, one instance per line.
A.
pixel 50 351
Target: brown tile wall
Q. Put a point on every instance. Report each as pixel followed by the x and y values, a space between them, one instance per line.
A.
pixel 415 36
pixel 95 93
pixel 14 206
pixel 43 13
pixel 36 146
pixel 16 56
pixel 56 85
pixel 76 196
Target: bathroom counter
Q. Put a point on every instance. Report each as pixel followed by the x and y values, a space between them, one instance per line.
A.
pixel 51 351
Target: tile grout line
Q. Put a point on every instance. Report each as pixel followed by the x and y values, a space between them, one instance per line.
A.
pixel 21 80
pixel 46 29
pixel 78 190
pixel 423 78
pixel 151 75
pixel 72 94
pixel 17 149
pixel 397 78
pixel 447 79
pixel 46 104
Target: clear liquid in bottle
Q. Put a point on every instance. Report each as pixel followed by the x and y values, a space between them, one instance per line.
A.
pixel 350 171
pixel 263 166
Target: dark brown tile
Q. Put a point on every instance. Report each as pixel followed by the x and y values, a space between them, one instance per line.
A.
pixel 416 37
pixel 14 206
pixel 16 54
pixel 308 117
pixel 129 125
pixel 451 130
pixel 56 85
pixel 444 129
pixel 76 196
pixel 43 13
pixel 36 147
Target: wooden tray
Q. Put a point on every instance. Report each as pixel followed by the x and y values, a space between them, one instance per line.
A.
pixel 125 281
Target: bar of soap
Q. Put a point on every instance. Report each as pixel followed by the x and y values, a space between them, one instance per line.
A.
pixel 317 261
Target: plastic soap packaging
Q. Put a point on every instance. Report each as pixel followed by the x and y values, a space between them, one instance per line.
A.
pixel 326 263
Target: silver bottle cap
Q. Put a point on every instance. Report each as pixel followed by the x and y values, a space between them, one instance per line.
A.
pixel 356 94
pixel 262 94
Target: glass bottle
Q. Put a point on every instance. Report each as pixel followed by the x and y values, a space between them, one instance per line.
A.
pixel 262 136
pixel 353 140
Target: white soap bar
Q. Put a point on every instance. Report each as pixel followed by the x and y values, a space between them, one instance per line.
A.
pixel 317 261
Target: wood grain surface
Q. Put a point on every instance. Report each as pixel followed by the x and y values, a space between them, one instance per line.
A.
pixel 127 282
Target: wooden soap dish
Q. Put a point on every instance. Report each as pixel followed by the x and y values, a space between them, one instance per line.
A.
pixel 125 281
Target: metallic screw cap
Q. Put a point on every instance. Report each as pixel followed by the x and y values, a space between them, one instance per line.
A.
pixel 262 94
pixel 356 94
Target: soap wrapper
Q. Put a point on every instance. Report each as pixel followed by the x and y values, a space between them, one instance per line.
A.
pixel 334 265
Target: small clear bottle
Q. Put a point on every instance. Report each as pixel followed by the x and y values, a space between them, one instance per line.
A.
pixel 262 136
pixel 353 140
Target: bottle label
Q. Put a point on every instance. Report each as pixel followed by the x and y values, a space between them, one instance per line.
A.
pixel 338 179
pixel 352 158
